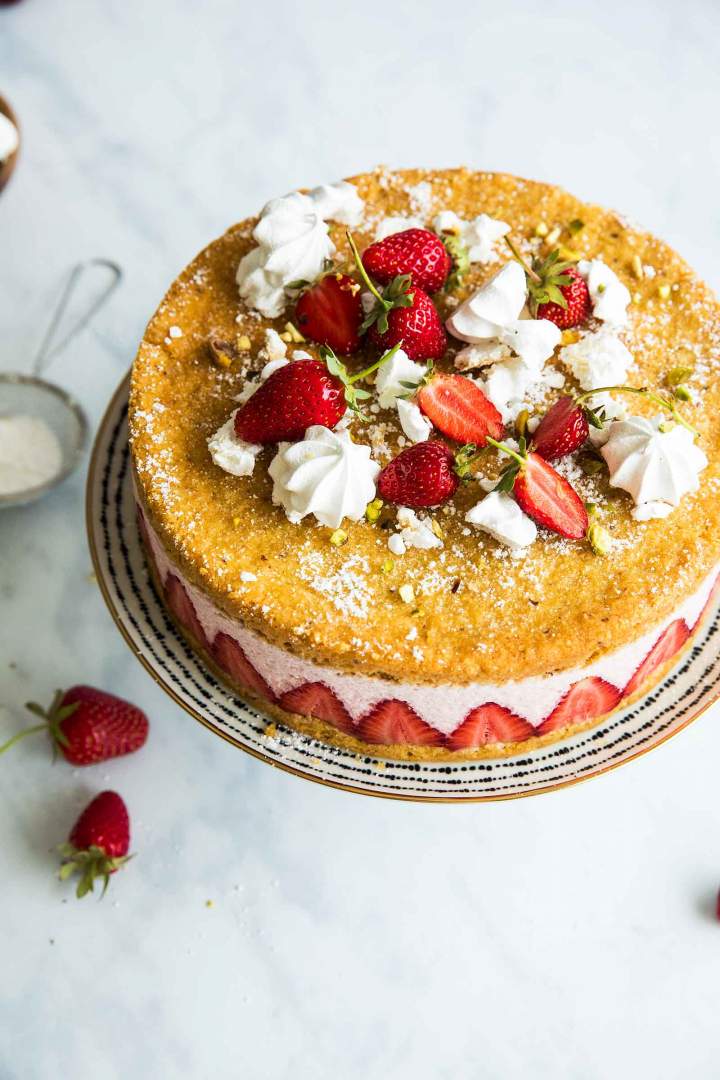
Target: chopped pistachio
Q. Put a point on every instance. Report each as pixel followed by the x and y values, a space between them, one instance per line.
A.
pixel 223 353
pixel 286 337
pixel 372 510
pixel 568 254
pixel 637 266
pixel 236 521
pixel 339 537
pixel 664 291
pixel 294 333
pixel 554 235
pixel 569 337
pixel 601 287
pixel 637 297
pixel 541 229
pixel 591 466
pixel 521 421
pixel 244 343
pixel 436 529
pixel 599 538
pixel 575 226
pixel 387 566
pixel 407 594
pixel 678 375
pixel 682 393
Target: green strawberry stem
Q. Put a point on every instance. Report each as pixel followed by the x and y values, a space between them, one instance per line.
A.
pixel 526 267
pixel 21 735
pixel 378 363
pixel 363 272
pixel 52 721
pixel 336 367
pixel 521 460
pixel 642 391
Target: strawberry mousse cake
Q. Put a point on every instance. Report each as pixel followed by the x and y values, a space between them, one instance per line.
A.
pixel 427 462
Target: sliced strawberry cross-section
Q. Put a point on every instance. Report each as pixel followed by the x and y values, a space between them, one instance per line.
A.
pixel 667 645
pixel 318 700
pixel 392 721
pixel 489 723
pixel 183 609
pixel 585 700
pixel 457 407
pixel 230 657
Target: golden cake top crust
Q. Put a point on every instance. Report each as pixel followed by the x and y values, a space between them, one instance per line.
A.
pixel 478 613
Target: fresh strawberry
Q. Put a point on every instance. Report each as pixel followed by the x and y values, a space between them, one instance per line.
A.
pixel 98 844
pixel 330 312
pixel 318 700
pixel 88 725
pixel 585 700
pixel 489 723
pixel 393 721
pixel 556 290
pixel 294 398
pixel 421 475
pixel 417 327
pixel 231 658
pixel 543 493
pixel 563 429
pixel 457 407
pixel 403 314
pixel 665 648
pixel 183 609
pixel 417 252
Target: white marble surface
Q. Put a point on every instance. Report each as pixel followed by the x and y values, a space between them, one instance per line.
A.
pixel 568 936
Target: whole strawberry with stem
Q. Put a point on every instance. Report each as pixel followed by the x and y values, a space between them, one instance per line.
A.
pixel 417 252
pixel 88 725
pixel 330 312
pixel 458 408
pixel 403 312
pixel 542 493
pixel 426 474
pixel 566 425
pixel 98 844
pixel 556 289
pixel 300 395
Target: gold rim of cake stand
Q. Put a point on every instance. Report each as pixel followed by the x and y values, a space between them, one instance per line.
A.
pixel 90 484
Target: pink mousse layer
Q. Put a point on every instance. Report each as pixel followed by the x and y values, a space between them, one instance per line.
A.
pixel 443 707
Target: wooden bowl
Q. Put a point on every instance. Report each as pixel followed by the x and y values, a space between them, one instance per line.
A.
pixel 7 166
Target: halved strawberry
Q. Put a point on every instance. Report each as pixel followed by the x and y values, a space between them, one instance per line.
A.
pixel 392 721
pixel 318 700
pixel 330 312
pixel 563 429
pixel 667 645
pixel 417 252
pixel 489 723
pixel 585 700
pixel 543 493
pixel 421 475
pixel 183 609
pixel 457 407
pixel 231 658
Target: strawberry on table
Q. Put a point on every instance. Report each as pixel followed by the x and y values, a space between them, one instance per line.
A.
pixel 417 252
pixel 543 493
pixel 556 289
pixel 458 408
pixel 88 725
pixel 98 844
pixel 425 474
pixel 330 312
pixel 403 314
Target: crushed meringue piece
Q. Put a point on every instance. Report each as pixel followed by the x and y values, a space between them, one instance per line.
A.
pixel 499 515
pixel 393 373
pixel 414 532
pixel 610 298
pixel 230 453
pixel 414 423
pixel 599 358
pixel 479 235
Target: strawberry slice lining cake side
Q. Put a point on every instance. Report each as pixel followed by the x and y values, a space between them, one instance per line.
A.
pixel 427 462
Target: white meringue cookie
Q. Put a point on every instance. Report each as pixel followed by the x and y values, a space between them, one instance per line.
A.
pixel 610 298
pixel 229 452
pixel 653 465
pixel 495 304
pixel 499 515
pixel 325 474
